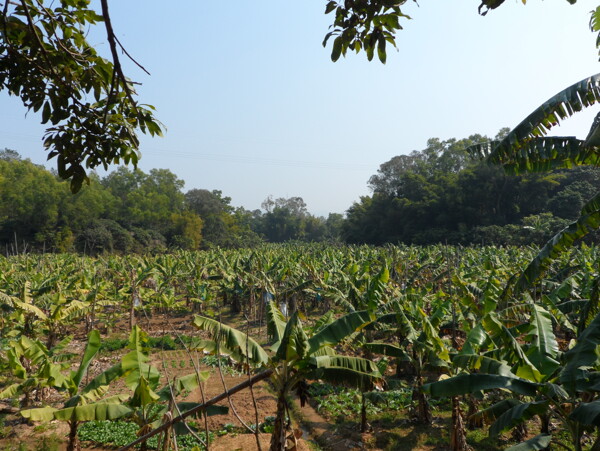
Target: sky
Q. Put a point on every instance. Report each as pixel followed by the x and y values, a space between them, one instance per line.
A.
pixel 253 105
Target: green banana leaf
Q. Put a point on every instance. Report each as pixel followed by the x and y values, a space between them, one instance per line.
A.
pixel 234 340
pixel 275 322
pixel 476 338
pixel 91 349
pixel 397 320
pixel 482 364
pixel 516 415
pixel 493 412
pixel 582 356
pixel 323 321
pixel 341 328
pixel 11 391
pixel 188 383
pixel 104 379
pixel 560 106
pixel 544 347
pixel 210 410
pixel 587 413
pixel 540 441
pixel 143 395
pixel 472 383
pixel 294 343
pixel 29 308
pixel 509 346
pixel 387 350
pixel 96 411
pixel 353 371
pixel 544 154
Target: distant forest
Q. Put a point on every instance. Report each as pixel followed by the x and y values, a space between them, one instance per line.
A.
pixel 437 195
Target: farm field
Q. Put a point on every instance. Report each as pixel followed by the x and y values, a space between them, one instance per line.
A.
pixel 425 348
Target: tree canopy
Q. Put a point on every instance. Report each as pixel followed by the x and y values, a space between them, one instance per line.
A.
pixel 87 100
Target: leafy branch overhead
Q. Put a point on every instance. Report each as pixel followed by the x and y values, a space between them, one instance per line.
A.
pixel 46 60
pixel 370 25
pixel 364 24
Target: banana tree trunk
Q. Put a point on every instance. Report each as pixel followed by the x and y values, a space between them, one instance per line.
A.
pixel 458 439
pixel 473 421
pixel 278 437
pixel 363 414
pixel 73 444
pixel 423 409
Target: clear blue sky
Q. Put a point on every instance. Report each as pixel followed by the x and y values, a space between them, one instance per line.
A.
pixel 254 106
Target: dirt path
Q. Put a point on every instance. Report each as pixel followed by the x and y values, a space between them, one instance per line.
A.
pixel 247 442
pixel 325 433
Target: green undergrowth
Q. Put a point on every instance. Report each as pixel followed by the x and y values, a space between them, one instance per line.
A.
pixel 338 401
pixel 165 343
pixel 121 433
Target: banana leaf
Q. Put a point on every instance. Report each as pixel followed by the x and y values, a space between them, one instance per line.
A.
pixel 587 413
pixel 516 415
pixel 387 350
pixel 143 395
pixel 472 383
pixel 540 441
pixel 104 378
pixel 493 412
pixel 234 340
pixel 476 338
pixel 11 391
pixel 341 328
pixel 352 371
pixel 294 343
pixel 275 322
pixel 544 347
pixel 560 106
pixel 210 410
pixel 483 364
pixel 581 357
pixel 96 411
pixel 91 349
pixel 509 346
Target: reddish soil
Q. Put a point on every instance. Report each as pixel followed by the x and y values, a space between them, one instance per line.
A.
pixel 247 442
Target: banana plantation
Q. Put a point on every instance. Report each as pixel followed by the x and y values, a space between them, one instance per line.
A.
pixel 394 347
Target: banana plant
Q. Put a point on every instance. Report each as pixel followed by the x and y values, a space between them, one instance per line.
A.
pixel 418 341
pixel 544 381
pixel 84 403
pixel 35 367
pixel 148 405
pixel 296 356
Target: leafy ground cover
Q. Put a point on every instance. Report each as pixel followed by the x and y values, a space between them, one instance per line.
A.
pixel 120 433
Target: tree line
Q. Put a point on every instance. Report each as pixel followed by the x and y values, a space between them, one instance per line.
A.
pixel 440 194
pixel 133 211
